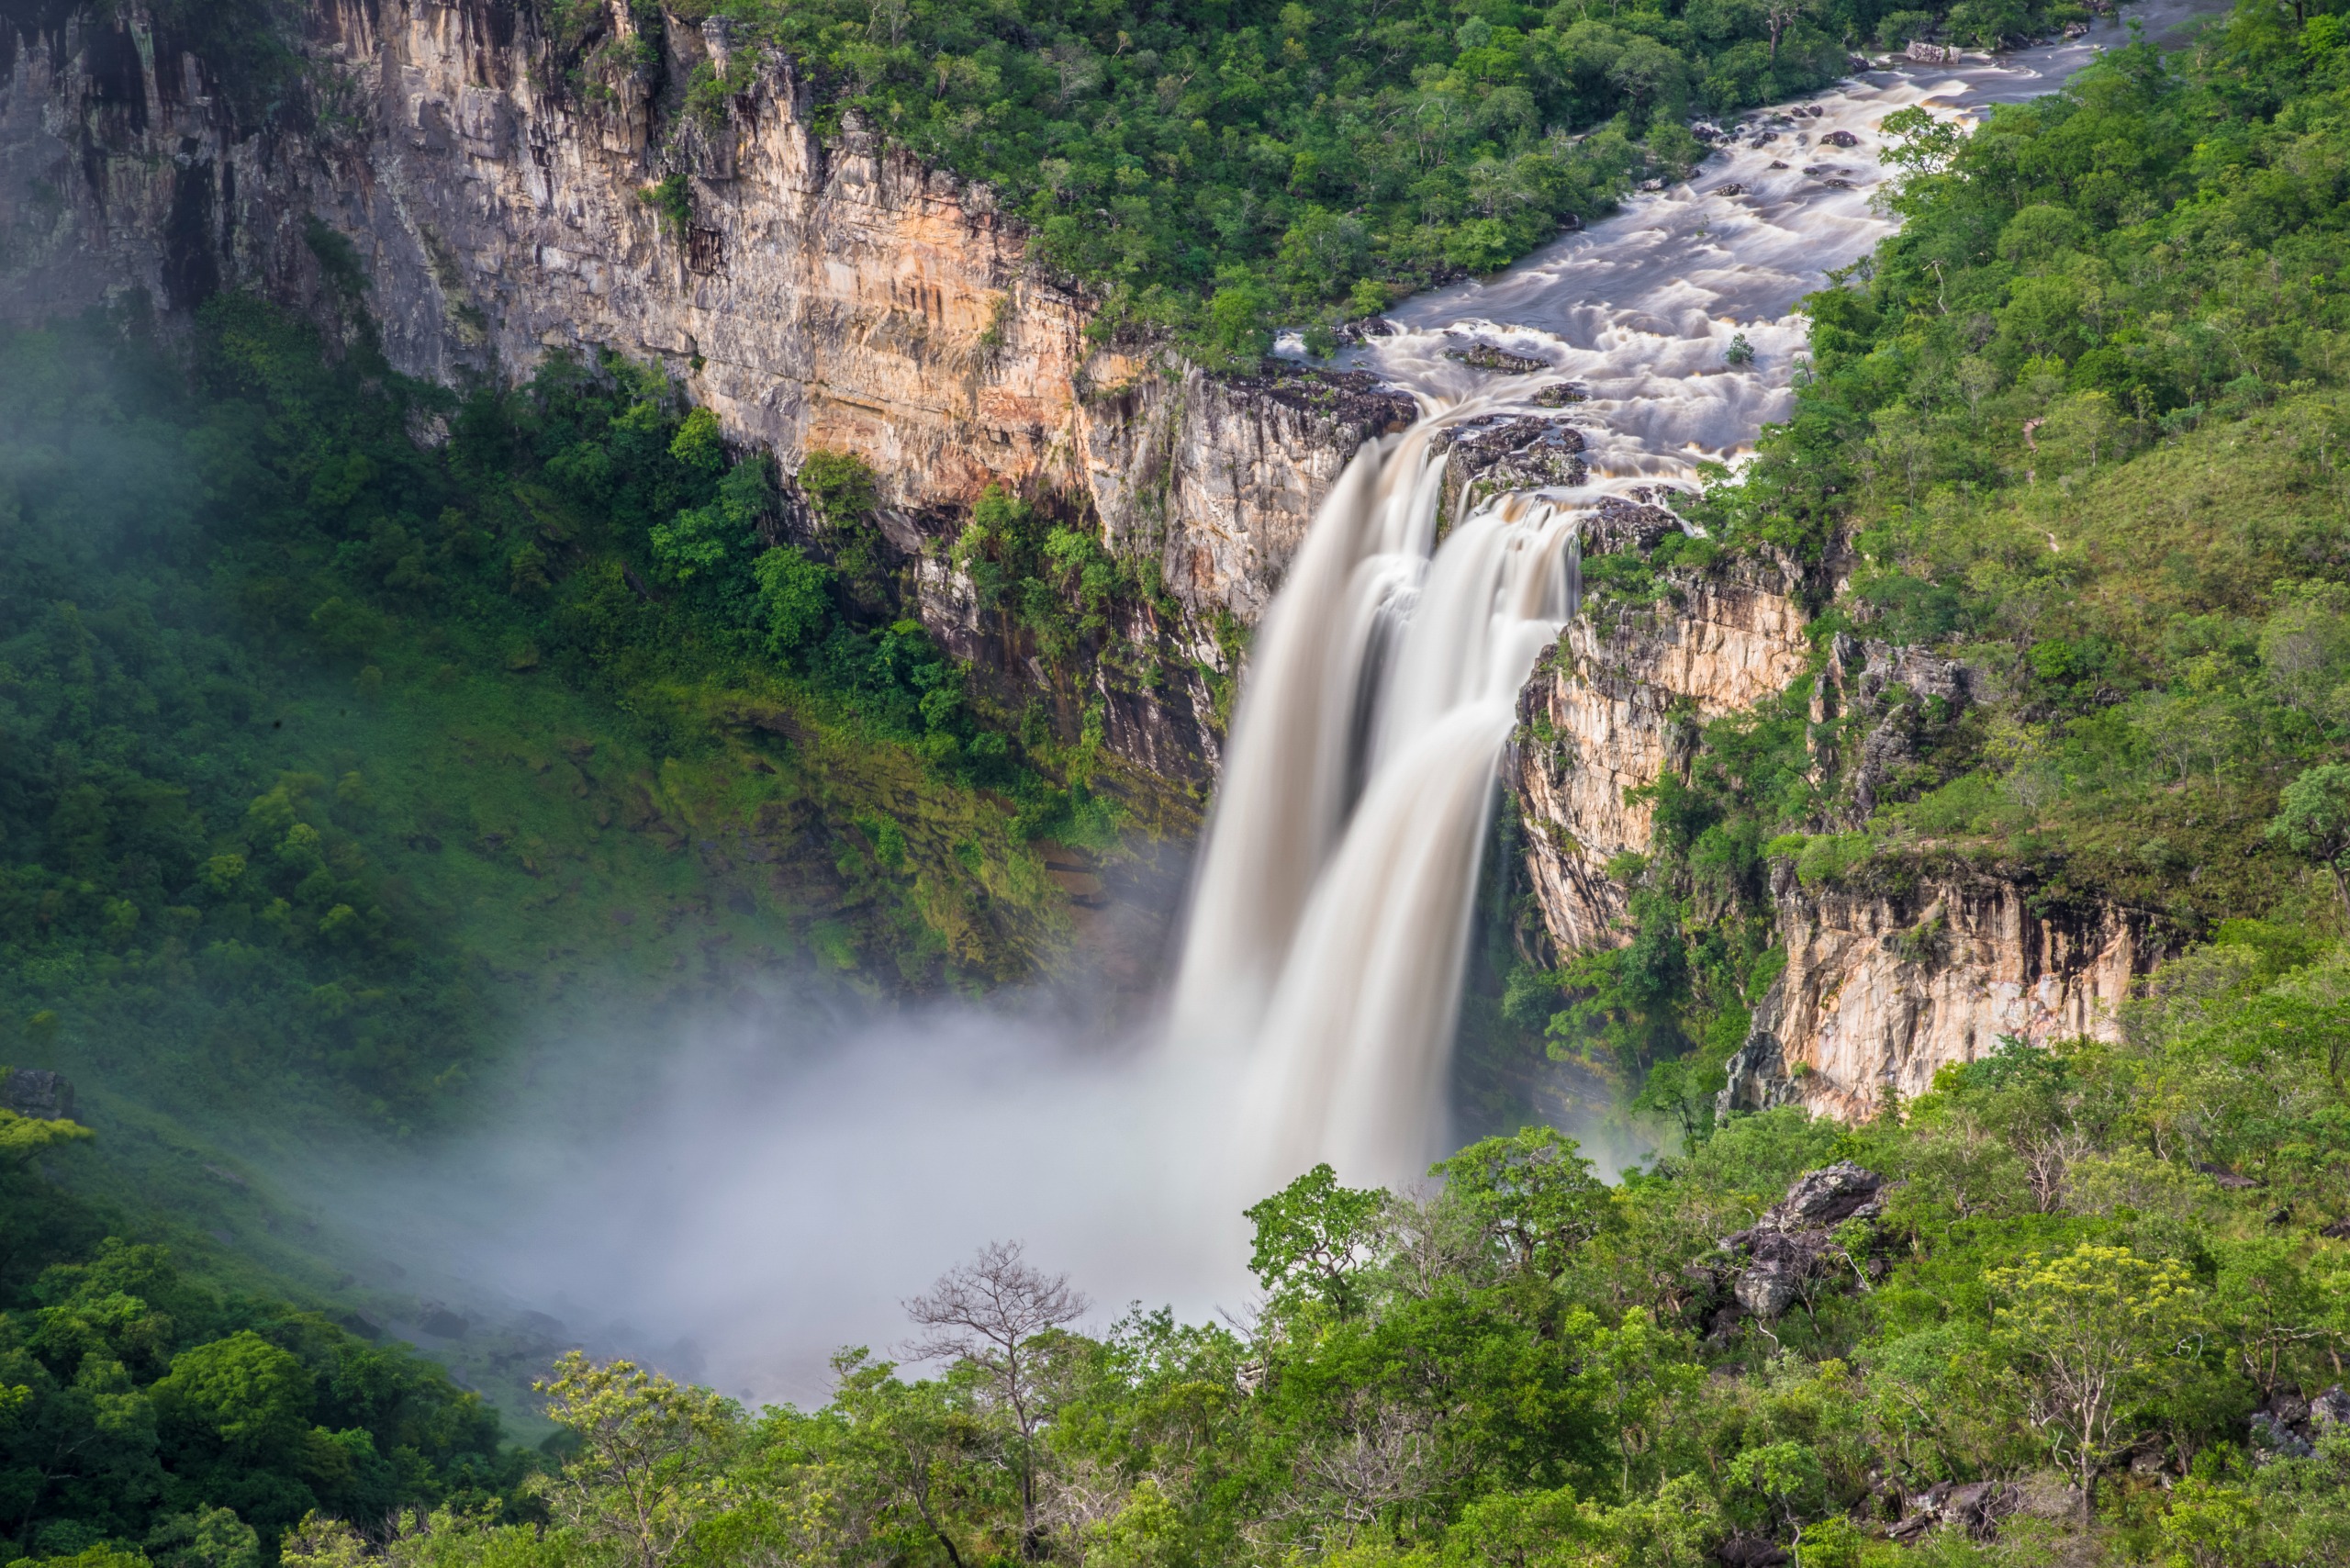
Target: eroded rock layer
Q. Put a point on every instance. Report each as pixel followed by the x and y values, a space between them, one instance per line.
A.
pixel 1610 707
pixel 1883 989
pixel 815 292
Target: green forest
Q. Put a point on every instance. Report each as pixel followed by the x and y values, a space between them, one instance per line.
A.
pixel 1218 167
pixel 347 723
pixel 2077 430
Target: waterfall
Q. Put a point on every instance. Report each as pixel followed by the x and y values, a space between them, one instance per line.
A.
pixel 1327 930
pixel 1330 918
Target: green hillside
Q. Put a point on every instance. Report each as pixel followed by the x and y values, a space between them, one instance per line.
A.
pixel 345 724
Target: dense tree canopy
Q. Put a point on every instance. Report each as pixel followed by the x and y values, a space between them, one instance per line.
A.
pixel 1217 166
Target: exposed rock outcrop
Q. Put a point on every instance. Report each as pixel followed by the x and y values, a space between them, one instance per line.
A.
pixel 1609 706
pixel 2288 1427
pixel 1505 453
pixel 813 291
pixel 1218 477
pixel 1792 1251
pixel 1492 356
pixel 30 1091
pixel 1884 988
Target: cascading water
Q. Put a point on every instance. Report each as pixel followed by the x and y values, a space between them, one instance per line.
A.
pixel 1329 918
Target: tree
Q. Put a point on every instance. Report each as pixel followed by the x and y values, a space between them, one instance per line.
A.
pixel 1787 1475
pixel 22 1138
pixel 1312 1237
pixel 321 1542
pixel 1534 1194
pixel 2312 819
pixel 209 1538
pixel 2090 1327
pixel 913 1444
pixel 795 597
pixel 2273 1308
pixel 1635 1374
pixel 987 1314
pixel 1778 16
pixel 242 1393
pixel 1917 144
pixel 650 1461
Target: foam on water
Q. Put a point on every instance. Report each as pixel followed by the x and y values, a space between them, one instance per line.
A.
pixel 1330 913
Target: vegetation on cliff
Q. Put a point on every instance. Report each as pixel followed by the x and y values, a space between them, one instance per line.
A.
pixel 2075 436
pixel 1221 167
pixel 342 721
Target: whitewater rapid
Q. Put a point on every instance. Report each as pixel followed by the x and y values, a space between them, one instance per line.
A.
pixel 1328 923
pixel 741 1196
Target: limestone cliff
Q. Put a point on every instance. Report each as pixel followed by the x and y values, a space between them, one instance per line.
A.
pixel 1611 705
pixel 1883 989
pixel 813 290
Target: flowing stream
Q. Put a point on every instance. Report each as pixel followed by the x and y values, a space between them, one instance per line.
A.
pixel 1330 919
pixel 777 1184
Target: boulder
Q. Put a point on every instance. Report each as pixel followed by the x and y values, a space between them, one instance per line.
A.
pixel 1827 1196
pixel 1353 396
pixel 1974 1506
pixel 1616 523
pixel 2288 1427
pixel 1839 139
pixel 1794 1244
pixel 1492 356
pixel 1505 452
pixel 30 1091
pixel 1747 1551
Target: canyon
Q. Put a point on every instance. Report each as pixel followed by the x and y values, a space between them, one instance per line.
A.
pixel 822 292
pixel 455 185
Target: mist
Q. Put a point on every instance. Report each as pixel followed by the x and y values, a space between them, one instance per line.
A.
pixel 771 1187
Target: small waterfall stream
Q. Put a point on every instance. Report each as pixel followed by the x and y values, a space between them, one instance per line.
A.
pixel 1329 915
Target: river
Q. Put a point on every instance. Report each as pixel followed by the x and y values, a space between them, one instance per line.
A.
pixel 1328 931
pixel 788 1181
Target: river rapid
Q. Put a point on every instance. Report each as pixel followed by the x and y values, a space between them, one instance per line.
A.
pixel 780 1183
pixel 1330 921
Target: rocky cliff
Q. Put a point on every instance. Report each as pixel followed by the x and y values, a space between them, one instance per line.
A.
pixel 1614 703
pixel 815 290
pixel 1883 989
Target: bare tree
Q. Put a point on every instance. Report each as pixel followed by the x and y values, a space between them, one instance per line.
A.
pixel 1779 15
pixel 987 1314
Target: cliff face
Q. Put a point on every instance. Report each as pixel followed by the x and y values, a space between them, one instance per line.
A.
pixel 1880 988
pixel 818 293
pixel 1883 989
pixel 1612 704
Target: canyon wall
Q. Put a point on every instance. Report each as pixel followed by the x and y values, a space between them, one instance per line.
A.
pixel 1615 700
pixel 819 291
pixel 1882 990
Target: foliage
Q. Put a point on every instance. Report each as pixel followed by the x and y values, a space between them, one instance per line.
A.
pixel 1217 170
pixel 1523 1364
pixel 146 1419
pixel 649 1460
pixel 300 717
